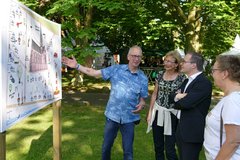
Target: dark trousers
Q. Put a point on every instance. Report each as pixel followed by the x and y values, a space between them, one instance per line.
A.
pixel 187 150
pixel 162 141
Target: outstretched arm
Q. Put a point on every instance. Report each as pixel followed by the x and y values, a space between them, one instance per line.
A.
pixel 72 63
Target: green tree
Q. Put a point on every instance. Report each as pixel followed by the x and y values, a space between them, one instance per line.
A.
pixel 199 25
pixel 220 27
pixel 194 23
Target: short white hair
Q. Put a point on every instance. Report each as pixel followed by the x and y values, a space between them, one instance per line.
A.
pixel 135 47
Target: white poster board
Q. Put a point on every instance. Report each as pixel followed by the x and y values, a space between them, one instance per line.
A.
pixel 30 63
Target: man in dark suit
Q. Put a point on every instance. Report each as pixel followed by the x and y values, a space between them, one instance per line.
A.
pixel 193 101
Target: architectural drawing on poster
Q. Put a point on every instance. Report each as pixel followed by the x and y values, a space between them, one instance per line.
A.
pixel 32 64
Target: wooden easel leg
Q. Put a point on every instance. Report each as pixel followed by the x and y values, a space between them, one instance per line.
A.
pixel 57 132
pixel 3 146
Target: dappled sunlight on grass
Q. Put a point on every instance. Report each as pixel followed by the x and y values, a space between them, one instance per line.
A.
pixel 82 136
pixel 68 137
pixel 85 118
pixel 82 129
pixel 117 147
pixel 26 137
pixel 86 149
pixel 68 124
pixel 97 110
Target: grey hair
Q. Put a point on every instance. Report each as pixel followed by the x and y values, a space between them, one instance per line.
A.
pixel 230 63
pixel 135 47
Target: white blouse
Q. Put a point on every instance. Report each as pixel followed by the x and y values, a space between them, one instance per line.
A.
pixel 230 115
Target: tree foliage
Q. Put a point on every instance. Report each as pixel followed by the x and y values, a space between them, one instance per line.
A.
pixel 205 26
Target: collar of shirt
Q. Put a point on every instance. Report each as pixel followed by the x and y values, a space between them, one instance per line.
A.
pixel 191 78
pixel 127 69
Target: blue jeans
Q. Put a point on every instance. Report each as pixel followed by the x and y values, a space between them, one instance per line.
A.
pixel 110 133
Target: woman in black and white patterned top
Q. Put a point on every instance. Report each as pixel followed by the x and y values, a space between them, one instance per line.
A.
pixel 161 116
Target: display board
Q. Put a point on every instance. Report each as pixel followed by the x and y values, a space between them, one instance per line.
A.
pixel 30 69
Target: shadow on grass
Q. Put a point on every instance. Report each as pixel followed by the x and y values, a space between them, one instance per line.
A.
pixel 82 132
pixel 39 147
pixel 20 137
pixel 86 98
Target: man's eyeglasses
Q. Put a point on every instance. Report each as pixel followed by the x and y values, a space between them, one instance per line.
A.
pixel 136 56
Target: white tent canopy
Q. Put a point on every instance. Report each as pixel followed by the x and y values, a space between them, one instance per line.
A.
pixel 236 43
pixel 235 50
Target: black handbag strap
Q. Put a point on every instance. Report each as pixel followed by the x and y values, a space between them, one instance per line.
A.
pixel 221 127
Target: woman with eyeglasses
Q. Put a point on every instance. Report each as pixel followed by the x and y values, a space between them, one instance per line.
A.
pixel 222 131
pixel 161 116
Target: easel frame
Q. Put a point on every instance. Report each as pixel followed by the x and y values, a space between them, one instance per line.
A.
pixel 57 134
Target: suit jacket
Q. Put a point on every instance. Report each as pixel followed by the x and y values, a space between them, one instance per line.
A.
pixel 194 108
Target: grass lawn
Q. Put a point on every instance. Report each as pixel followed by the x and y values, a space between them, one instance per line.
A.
pixel 82 132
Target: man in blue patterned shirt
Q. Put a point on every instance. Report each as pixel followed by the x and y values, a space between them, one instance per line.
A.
pixel 129 87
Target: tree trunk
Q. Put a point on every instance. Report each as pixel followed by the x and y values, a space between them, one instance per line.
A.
pixel 193 26
pixel 190 23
